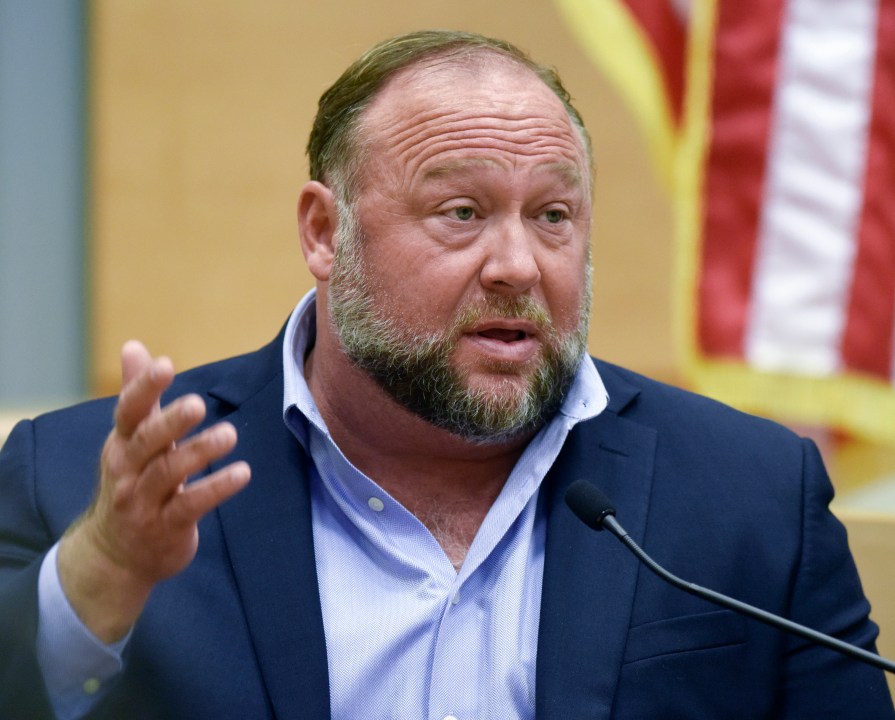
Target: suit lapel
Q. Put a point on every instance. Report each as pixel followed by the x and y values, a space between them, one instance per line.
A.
pixel 267 530
pixel 589 578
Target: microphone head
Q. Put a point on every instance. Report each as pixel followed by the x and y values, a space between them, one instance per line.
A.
pixel 589 503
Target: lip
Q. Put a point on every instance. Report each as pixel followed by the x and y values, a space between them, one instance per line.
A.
pixel 502 345
pixel 520 325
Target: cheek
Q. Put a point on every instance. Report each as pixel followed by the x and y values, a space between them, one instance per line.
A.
pixel 420 286
pixel 565 292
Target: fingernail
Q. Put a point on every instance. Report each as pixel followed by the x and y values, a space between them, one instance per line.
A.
pixel 241 472
pixel 224 434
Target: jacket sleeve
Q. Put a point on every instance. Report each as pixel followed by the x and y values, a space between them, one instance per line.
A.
pixel 24 540
pixel 827 595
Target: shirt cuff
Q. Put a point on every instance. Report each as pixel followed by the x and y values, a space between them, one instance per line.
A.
pixel 77 667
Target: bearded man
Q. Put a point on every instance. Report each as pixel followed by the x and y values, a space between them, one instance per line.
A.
pixel 402 549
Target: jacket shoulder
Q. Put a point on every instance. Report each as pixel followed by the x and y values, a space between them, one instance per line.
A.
pixel 240 373
pixel 62 448
pixel 671 408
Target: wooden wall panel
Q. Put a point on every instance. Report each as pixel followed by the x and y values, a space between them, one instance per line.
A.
pixel 200 113
pixel 872 539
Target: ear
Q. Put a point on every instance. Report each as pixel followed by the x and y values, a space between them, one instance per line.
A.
pixel 317 221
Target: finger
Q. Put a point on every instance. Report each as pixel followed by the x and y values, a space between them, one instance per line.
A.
pixel 140 396
pixel 135 358
pixel 198 497
pixel 160 431
pixel 170 469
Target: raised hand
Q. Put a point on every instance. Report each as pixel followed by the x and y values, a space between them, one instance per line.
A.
pixel 142 526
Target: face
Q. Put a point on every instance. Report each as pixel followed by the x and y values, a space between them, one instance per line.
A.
pixel 465 294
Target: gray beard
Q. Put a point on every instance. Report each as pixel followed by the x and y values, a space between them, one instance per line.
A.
pixel 416 370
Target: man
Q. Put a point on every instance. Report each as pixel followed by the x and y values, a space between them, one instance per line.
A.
pixel 402 549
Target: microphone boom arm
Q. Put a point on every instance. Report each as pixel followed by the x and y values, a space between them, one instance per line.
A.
pixel 611 524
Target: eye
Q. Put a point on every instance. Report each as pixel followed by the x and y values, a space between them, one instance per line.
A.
pixel 463 213
pixel 554 216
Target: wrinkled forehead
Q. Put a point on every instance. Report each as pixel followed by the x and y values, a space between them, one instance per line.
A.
pixel 438 94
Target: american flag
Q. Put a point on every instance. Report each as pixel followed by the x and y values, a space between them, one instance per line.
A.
pixel 773 124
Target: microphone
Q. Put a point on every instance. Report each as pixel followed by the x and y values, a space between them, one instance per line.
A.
pixel 593 508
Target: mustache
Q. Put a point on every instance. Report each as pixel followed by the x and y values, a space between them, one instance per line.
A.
pixel 523 307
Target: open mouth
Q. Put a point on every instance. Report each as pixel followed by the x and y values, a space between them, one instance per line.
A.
pixel 511 340
pixel 502 334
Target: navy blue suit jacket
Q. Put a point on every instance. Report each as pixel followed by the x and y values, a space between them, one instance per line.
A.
pixel 728 501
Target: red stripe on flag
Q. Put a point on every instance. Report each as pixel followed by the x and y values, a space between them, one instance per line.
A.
pixel 668 35
pixel 867 341
pixel 747 45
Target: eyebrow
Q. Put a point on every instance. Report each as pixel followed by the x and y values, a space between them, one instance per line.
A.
pixel 567 171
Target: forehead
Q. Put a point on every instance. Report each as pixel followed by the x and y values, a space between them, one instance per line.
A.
pixel 442 113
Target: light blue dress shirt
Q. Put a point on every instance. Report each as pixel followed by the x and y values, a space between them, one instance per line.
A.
pixel 406 634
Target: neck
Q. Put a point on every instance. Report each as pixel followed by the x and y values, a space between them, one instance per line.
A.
pixel 449 483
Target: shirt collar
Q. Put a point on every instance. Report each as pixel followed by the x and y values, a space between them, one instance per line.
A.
pixel 586 398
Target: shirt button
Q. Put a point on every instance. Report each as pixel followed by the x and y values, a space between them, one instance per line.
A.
pixel 450 717
pixel 91 686
pixel 454 600
pixel 376 504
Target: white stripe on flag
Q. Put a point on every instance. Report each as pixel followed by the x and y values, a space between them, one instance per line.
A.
pixel 812 202
pixel 683 9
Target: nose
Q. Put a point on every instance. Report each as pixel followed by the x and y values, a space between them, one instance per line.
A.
pixel 510 266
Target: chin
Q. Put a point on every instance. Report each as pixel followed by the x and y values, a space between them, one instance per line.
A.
pixel 501 383
pixel 492 369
